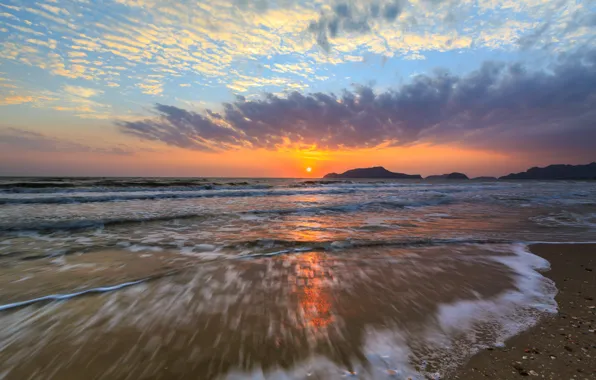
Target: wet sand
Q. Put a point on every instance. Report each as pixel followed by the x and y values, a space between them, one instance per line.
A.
pixel 22 280
pixel 559 347
pixel 315 315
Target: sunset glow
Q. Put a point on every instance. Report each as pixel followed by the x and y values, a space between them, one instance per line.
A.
pixel 246 89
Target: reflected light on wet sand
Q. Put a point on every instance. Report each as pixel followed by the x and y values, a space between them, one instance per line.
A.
pixel 315 301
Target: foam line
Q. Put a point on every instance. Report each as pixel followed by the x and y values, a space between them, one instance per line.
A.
pixel 73 198
pixel 61 297
pixel 276 253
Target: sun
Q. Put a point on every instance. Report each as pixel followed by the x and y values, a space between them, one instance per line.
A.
pixel 309 169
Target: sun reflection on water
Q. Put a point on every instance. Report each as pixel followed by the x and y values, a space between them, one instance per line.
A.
pixel 314 297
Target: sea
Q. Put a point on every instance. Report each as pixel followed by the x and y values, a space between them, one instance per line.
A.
pixel 222 278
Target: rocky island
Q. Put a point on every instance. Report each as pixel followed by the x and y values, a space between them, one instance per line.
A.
pixel 551 172
pixel 569 172
pixel 454 175
pixel 374 172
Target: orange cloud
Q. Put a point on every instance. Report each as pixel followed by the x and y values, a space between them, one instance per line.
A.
pixel 16 99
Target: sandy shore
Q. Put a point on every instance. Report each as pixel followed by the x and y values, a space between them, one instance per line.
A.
pixel 559 347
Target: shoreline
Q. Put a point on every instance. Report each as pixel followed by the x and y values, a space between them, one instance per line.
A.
pixel 561 346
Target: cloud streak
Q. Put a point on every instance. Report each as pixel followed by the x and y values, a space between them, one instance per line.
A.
pixel 23 140
pixel 499 106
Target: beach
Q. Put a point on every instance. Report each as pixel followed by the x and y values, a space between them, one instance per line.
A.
pixel 562 346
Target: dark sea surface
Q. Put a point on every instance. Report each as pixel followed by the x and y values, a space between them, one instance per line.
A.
pixel 165 278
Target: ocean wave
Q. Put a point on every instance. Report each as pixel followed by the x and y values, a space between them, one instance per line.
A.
pixel 85 224
pixel 113 186
pixel 273 247
pixel 67 190
pixel 55 186
pixel 41 183
pixel 34 185
pixel 566 219
pixel 213 191
pixel 58 186
pixel 375 205
pixel 202 193
pixel 257 248
pixel 310 183
pixel 80 224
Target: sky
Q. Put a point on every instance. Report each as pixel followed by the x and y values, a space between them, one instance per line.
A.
pixel 263 88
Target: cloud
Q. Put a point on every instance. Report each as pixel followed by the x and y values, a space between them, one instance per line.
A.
pixel 244 83
pixel 35 99
pixel 351 17
pixel 126 41
pixel 78 100
pixel 23 140
pixel 8 15
pixel 14 8
pixel 15 99
pixel 151 87
pixel 493 24
pixel 82 92
pixel 531 39
pixel 502 107
pixel 55 10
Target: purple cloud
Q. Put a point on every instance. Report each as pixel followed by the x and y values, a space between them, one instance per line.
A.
pixel 499 106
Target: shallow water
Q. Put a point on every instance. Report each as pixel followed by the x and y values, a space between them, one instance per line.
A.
pixel 179 278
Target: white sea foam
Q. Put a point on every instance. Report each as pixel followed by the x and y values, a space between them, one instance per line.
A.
pixel 341 244
pixel 566 219
pixel 24 278
pixel 501 317
pixel 276 253
pixel 141 248
pixel 205 247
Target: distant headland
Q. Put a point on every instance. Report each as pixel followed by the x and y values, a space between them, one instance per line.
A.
pixel 374 172
pixel 552 172
pixel 581 172
pixel 453 175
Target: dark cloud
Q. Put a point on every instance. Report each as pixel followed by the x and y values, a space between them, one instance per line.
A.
pixel 504 107
pixel 349 17
pixel 391 11
pixel 580 19
pixel 551 31
pixel 531 39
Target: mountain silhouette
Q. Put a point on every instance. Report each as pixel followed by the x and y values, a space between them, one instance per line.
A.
pixel 374 172
pixel 453 175
pixel 557 172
